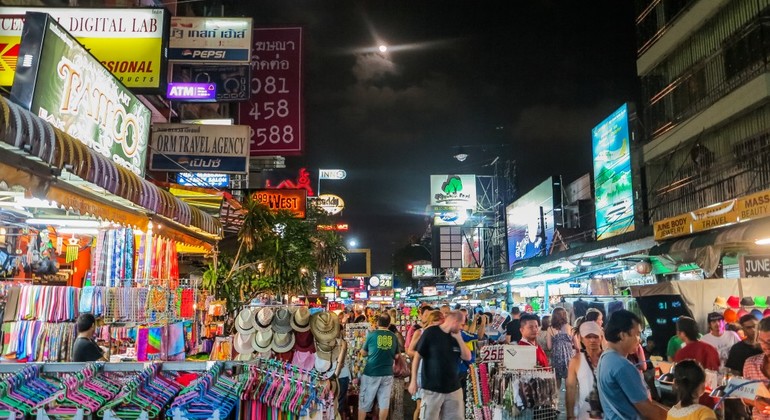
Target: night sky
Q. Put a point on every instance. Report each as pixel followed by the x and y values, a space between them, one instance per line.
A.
pixel 534 76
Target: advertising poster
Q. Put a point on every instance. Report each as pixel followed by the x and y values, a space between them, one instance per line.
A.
pixel 613 190
pixel 232 81
pixel 129 42
pixel 458 192
pixel 200 148
pixel 523 227
pixel 210 39
pixel 275 109
pixel 66 86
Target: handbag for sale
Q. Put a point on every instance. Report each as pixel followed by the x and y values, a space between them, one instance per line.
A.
pixel 400 367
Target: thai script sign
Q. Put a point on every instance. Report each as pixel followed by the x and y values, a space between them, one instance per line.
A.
pixel 200 148
pixel 210 39
pixel 192 91
pixel 275 109
pixel 129 42
pixel 61 82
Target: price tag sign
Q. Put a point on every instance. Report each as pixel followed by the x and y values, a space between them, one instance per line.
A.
pixel 274 110
pixel 493 353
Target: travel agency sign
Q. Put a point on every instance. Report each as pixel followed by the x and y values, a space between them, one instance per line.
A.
pixel 64 84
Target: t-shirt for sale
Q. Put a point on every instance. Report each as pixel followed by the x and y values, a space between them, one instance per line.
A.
pixel 738 355
pixel 620 386
pixel 85 350
pixel 723 343
pixel 703 353
pixel 440 352
pixel 381 346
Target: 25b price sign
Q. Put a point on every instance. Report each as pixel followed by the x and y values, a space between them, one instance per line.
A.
pixel 274 110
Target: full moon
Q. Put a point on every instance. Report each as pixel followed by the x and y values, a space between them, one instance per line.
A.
pixel 383 48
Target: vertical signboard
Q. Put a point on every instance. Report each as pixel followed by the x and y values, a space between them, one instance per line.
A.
pixel 131 43
pixel 61 82
pixel 275 109
pixel 613 190
pixel 526 239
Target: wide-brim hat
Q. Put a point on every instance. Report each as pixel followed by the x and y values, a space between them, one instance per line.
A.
pixel 300 321
pixel 282 321
pixel 760 301
pixel 322 365
pixel 242 343
pixel 325 326
pixel 747 301
pixel 303 341
pixel 264 319
pixel 262 341
pixel 244 357
pixel 734 302
pixel 244 322
pixel 720 302
pixel 283 341
pixel 325 345
pixel 323 352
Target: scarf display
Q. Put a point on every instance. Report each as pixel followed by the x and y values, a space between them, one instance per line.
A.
pixel 38 341
pixel 46 303
pixel 121 258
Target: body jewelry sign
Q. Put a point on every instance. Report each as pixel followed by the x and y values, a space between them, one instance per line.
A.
pixel 129 42
pixel 200 148
pixel 61 82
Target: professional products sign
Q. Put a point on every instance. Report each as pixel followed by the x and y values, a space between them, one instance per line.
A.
pixel 200 148
pixel 232 81
pixel 526 239
pixel 293 201
pixel 612 175
pixel 210 39
pixel 275 110
pixel 65 85
pixel 458 191
pixel 129 42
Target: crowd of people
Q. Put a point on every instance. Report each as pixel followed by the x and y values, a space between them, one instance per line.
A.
pixel 603 367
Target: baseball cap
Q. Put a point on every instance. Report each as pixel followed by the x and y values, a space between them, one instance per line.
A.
pixel 715 316
pixel 590 327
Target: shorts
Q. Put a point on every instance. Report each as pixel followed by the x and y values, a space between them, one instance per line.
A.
pixel 438 406
pixel 374 386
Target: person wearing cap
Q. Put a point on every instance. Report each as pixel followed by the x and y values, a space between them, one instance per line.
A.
pixel 622 391
pixel 705 354
pixel 756 369
pixel 719 338
pixel 380 348
pixel 582 393
pixel 441 348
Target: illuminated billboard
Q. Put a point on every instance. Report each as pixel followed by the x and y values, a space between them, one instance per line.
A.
pixel 613 190
pixel 131 42
pixel 457 192
pixel 523 227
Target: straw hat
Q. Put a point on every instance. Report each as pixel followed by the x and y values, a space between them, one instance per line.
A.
pixel 282 321
pixel 264 319
pixel 303 341
pixel 283 341
pixel 747 301
pixel 325 326
pixel 324 352
pixel 300 322
pixel 242 343
pixel 244 322
pixel 262 340
pixel 733 302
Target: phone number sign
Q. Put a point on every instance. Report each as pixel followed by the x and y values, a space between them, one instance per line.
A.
pixel 274 110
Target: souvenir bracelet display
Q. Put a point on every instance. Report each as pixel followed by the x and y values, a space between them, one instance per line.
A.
pixel 405 318
pixel 172 390
pixel 355 335
pixel 521 394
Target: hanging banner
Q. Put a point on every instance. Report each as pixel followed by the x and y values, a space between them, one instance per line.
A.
pixel 232 81
pixel 200 148
pixel 275 110
pixel 130 42
pixel 64 84
pixel 210 39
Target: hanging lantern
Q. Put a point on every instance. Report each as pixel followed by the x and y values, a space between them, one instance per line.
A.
pixel 643 267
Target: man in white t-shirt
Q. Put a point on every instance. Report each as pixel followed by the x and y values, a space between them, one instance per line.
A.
pixel 719 338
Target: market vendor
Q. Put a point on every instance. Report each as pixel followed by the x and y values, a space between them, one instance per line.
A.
pixel 85 348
